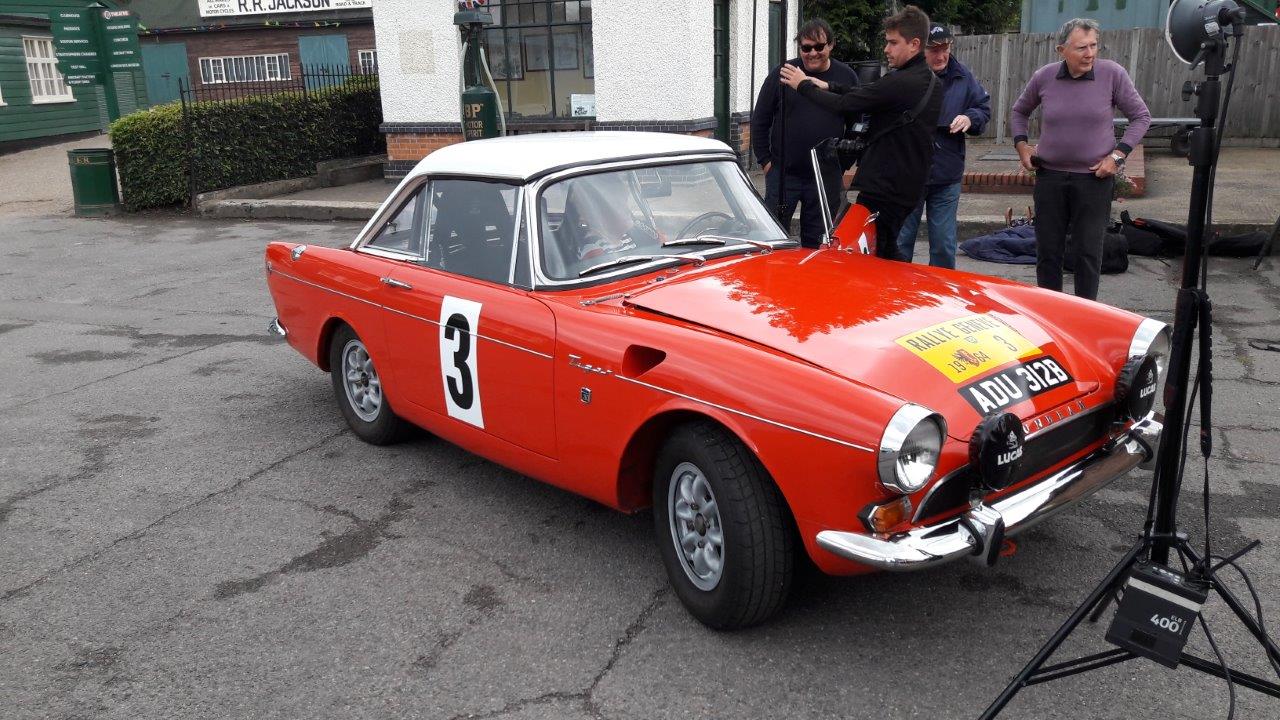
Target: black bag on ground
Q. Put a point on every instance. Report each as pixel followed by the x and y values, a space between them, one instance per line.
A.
pixel 1115 253
pixel 1157 238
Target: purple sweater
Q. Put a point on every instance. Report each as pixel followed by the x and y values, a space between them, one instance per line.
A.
pixel 1076 129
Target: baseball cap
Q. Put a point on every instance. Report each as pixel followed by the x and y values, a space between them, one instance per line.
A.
pixel 939 35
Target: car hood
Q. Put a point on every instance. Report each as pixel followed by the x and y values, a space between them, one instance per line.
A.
pixel 947 340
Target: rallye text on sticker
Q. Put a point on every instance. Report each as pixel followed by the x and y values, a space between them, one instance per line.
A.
pixel 970 346
pixel 1015 384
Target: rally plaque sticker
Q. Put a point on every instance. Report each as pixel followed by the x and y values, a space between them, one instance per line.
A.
pixel 967 347
pixel 459 320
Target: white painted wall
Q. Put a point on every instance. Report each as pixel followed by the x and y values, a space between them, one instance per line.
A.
pixel 653 58
pixel 419 59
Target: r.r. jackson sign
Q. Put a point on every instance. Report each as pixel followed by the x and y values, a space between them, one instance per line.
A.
pixel 222 8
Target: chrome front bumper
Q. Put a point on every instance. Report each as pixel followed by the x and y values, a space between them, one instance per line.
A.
pixel 975 532
pixel 275 328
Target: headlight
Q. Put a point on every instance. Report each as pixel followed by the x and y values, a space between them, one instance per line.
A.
pixel 1152 339
pixel 910 448
pixel 1136 387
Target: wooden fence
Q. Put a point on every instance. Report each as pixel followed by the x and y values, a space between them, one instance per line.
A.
pixel 1004 63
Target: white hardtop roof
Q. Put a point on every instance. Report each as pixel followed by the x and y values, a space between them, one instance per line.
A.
pixel 520 157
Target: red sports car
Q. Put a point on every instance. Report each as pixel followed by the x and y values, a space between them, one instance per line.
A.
pixel 618 314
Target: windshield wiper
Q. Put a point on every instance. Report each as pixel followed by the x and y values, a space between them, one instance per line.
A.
pixel 721 240
pixel 628 259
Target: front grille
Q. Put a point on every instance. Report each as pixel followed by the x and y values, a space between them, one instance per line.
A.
pixel 1050 447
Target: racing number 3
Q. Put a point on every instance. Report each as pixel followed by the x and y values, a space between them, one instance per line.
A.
pixel 459 319
pixel 462 393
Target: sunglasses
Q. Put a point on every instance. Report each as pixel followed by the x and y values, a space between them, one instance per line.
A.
pixel 816 47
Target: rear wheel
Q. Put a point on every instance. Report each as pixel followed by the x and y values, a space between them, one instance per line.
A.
pixel 358 389
pixel 722 527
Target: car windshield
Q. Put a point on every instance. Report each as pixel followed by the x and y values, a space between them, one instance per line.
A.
pixel 682 209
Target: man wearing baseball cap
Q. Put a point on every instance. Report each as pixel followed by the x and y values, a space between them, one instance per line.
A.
pixel 966 109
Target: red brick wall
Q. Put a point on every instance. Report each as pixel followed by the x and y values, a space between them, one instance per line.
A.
pixel 415 146
pixel 267 42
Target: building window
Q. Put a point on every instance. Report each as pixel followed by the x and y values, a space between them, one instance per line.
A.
pixel 541 58
pixel 246 68
pixel 47 84
pixel 368 62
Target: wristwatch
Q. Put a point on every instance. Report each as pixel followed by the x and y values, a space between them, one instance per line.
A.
pixel 1117 158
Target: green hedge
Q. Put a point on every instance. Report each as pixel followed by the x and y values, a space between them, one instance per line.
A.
pixel 239 142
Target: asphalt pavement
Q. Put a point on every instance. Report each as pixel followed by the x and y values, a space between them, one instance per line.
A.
pixel 188 530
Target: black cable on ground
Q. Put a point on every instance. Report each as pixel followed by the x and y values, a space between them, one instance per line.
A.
pixel 1231 685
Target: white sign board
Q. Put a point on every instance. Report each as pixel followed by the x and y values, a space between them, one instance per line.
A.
pixel 582 105
pixel 223 8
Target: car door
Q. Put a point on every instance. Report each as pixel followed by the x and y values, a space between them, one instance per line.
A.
pixel 469 343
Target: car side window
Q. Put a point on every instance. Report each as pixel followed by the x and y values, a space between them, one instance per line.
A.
pixel 403 232
pixel 471 228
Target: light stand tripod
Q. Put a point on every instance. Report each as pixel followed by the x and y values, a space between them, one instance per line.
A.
pixel 1160 534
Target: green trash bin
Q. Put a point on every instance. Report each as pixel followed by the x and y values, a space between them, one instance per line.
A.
pixel 93 181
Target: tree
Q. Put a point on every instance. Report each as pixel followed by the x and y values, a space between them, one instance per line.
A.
pixel 856 23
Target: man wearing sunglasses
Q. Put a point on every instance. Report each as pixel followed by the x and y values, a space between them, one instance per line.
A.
pixel 785 126
pixel 904 106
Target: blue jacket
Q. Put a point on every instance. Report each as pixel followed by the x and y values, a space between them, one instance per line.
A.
pixel 962 95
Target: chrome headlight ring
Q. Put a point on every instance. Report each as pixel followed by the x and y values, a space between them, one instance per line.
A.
pixel 1152 338
pixel 910 448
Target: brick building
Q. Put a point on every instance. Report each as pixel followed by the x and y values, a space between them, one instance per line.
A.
pixel 205 43
pixel 684 67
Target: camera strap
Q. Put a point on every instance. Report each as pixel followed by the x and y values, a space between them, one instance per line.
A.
pixel 909 116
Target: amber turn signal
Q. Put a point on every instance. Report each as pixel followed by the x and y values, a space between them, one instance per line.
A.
pixel 879 518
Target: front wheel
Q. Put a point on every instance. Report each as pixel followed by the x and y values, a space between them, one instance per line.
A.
pixel 358 389
pixel 722 528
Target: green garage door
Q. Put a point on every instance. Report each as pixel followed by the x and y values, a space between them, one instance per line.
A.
pixel 323 52
pixel 164 66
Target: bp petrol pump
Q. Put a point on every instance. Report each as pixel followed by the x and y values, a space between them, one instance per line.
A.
pixel 481 111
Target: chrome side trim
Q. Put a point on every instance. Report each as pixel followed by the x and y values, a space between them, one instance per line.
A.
pixel 275 328
pixel 409 315
pixel 743 413
pixel 931 545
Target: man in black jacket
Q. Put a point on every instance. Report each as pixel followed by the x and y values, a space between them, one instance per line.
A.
pixel 785 126
pixel 904 106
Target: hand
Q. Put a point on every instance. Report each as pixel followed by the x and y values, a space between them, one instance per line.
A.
pixel 961 123
pixel 792 76
pixel 1025 153
pixel 1105 168
pixel 767 167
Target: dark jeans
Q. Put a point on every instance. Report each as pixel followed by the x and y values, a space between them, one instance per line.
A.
pixel 1081 203
pixel 801 190
pixel 942 202
pixel 888 224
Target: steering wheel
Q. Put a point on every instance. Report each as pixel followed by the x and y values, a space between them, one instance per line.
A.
pixel 704 217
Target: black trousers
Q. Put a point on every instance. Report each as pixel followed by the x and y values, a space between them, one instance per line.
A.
pixel 801 190
pixel 1075 202
pixel 888 223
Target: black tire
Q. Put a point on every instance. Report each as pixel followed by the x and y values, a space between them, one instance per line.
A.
pixel 374 423
pixel 757 549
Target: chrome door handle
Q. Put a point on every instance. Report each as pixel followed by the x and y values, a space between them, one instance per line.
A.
pixel 396 283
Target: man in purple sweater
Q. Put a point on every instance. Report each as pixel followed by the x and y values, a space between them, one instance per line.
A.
pixel 1078 157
